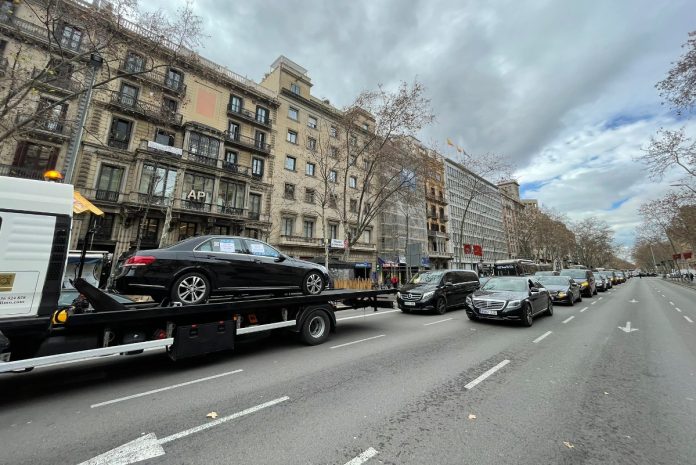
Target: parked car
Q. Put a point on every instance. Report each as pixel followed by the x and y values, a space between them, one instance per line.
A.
pixel 516 298
pixel 621 276
pixel 600 282
pixel 607 277
pixel 437 290
pixel 546 273
pixel 194 269
pixel 562 289
pixel 585 278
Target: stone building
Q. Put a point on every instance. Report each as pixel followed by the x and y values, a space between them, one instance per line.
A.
pixel 511 207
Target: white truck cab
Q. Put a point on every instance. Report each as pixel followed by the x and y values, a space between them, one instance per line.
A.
pixel 35 221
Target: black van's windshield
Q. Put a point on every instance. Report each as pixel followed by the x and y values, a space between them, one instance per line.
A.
pixel 431 277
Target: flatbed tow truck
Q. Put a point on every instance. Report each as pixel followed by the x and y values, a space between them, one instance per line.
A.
pixel 35 332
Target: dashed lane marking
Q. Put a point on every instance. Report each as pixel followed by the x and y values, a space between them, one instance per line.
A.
pixel 672 304
pixel 541 337
pixel 678 309
pixel 363 457
pixel 487 374
pixel 568 319
pixel 358 341
pixel 439 321
pixel 688 319
pixel 366 315
pixel 582 310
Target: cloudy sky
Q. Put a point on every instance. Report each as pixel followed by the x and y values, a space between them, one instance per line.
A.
pixel 563 88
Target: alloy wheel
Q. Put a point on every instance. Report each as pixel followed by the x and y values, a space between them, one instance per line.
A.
pixel 313 283
pixel 191 289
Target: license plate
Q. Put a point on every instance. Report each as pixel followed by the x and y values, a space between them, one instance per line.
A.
pixel 410 304
pixel 488 312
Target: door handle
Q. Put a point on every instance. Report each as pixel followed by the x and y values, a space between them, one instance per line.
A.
pixel 211 256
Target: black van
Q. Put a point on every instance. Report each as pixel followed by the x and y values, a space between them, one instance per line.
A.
pixel 438 290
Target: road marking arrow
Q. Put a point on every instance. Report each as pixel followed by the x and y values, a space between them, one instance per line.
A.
pixel 628 328
pixel 148 446
pixel 633 301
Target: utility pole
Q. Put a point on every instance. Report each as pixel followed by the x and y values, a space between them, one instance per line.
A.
pixel 653 257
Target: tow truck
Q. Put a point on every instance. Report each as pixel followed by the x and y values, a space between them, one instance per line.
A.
pixel 35 227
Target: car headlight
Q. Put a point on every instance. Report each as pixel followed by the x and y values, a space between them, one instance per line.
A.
pixel 583 284
pixel 514 303
pixel 561 294
pixel 428 295
pixel 398 295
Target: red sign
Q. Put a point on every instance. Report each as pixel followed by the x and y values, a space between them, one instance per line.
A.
pixel 687 255
pixel 478 250
pixel 467 249
pixel 676 256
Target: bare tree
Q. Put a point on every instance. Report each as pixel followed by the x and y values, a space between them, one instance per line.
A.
pixel 594 242
pixel 679 87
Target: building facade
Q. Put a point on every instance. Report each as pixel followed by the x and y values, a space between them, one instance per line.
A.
pixel 512 206
pixel 476 218
pixel 439 248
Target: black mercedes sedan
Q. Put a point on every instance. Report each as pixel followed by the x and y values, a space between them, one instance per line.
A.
pixel 192 270
pixel 563 289
pixel 517 298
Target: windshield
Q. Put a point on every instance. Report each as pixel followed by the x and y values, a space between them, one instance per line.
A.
pixel 506 284
pixel 554 280
pixel 578 275
pixel 431 277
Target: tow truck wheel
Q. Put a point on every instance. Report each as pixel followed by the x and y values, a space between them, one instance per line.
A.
pixel 190 288
pixel 316 328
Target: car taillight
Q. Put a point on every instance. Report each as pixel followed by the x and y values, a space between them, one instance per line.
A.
pixel 139 260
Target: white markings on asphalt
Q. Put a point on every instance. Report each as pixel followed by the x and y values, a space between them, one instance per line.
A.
pixel 634 301
pixel 569 318
pixel 627 328
pixel 148 446
pixel 601 298
pixel 366 315
pixel 363 457
pixel 436 322
pixel 593 303
pixel 487 374
pixel 355 342
pixel 167 388
pixel 582 310
pixel 541 337
pixel 672 304
pixel 678 309
pixel 688 319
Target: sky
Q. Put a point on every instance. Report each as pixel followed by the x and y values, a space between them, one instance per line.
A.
pixel 563 89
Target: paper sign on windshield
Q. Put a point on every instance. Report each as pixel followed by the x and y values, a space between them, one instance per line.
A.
pixel 227 245
pixel 257 249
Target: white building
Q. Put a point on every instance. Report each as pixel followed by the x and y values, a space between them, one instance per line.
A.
pixel 483 239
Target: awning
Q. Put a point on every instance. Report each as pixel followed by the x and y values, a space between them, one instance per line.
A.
pixel 82 205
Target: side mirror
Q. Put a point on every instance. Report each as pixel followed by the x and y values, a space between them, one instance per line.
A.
pixel 280 258
pixel 534 290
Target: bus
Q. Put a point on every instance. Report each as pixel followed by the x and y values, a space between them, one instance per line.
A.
pixel 515 267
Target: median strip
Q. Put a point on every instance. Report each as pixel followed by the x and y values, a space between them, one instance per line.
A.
pixel 568 319
pixel 486 374
pixel 436 322
pixel 541 337
pixel 358 341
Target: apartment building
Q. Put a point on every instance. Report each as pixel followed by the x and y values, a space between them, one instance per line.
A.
pixel 439 248
pixel 512 206
pixel 483 239
pixel 316 181
pixel 167 153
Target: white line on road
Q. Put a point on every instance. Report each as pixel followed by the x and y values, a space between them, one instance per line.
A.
pixel 601 298
pixel 366 315
pixel 541 337
pixel 582 310
pixel 355 342
pixel 487 374
pixel 568 319
pixel 672 304
pixel 688 319
pixel 678 309
pixel 167 388
pixel 593 303
pixel 363 457
pixel 436 322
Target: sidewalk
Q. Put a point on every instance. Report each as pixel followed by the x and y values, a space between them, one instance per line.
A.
pixel 681 282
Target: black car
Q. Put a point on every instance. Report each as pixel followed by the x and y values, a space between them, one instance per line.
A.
pixel 437 290
pixel 516 298
pixel 194 269
pixel 562 289
pixel 600 282
pixel 609 284
pixel 584 278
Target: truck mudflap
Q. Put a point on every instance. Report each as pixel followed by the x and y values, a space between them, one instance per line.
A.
pixel 200 339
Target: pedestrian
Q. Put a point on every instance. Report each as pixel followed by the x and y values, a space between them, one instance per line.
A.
pixel 691 276
pixel 394 281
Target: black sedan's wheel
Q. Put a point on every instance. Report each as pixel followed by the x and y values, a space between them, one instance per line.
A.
pixel 313 283
pixel 571 299
pixel 190 288
pixel 549 308
pixel 472 317
pixel 579 297
pixel 441 306
pixel 527 317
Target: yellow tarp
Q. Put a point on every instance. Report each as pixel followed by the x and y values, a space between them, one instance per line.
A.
pixel 81 205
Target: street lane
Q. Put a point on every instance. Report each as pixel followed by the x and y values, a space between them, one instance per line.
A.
pixel 403 394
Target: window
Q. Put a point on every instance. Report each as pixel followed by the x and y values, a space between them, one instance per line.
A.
pixel 333 152
pixel 365 127
pixel 289 191
pixel 260 140
pixel 333 231
pixel 187 229
pixel 352 160
pixel 135 63
pixel 308 228
pixel 109 183
pixel 128 95
pixel 262 115
pixel 231 197
pixel 164 137
pixel 295 89
pixel 223 244
pixel 353 206
pixel 332 200
pixel 367 165
pixel 367 236
pixel 231 157
pixel 254 206
pixel 311 143
pixel 312 122
pixel 293 113
pixel 290 163
pixel 233 130
pixel 261 248
pixel 35 157
pixel 170 105
pixel 235 105
pixel 333 131
pixel 174 79
pixel 309 169
pixel 309 195
pixel 257 167
pixel 160 181
pixel 197 190
pixel 150 230
pixel 292 137
pixel 106 227
pixel 71 38
pixel 120 133
pixel 204 146
pixel 288 226
pixel 353 141
pixel 218 230
pixel 333 176
pixel 353 182
pixel 54 117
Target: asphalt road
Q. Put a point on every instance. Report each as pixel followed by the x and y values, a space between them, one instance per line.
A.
pixel 573 388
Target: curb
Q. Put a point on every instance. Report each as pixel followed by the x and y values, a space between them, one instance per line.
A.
pixel 687 286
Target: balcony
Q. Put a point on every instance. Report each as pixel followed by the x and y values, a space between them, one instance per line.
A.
pixel 247 142
pixel 106 196
pixel 256 216
pixel 439 254
pixel 202 159
pixel 21 172
pixel 300 240
pixel 57 82
pixel 45 127
pixel 235 168
pixel 434 233
pixel 230 211
pixel 144 199
pixel 193 205
pixel 364 245
pixel 153 76
pixel 432 215
pixel 4 63
pixel 239 112
pixel 38 32
pixel 444 218
pixel 440 199
pixel 149 111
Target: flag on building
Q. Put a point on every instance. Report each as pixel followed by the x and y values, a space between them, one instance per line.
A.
pixel 676 256
pixel 467 249
pixel 687 255
pixel 478 250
